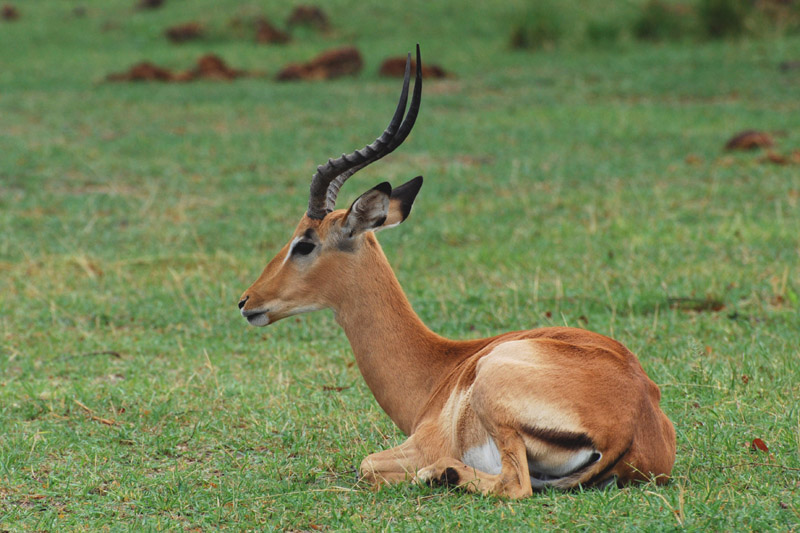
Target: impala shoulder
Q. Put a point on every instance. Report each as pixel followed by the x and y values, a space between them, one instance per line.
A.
pixel 506 353
pixel 583 338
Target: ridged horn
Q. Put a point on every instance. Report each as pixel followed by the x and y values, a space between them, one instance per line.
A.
pixel 330 177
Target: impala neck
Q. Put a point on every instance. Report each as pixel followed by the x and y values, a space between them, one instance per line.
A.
pixel 400 358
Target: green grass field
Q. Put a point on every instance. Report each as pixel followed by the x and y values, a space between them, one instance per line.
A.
pixel 579 185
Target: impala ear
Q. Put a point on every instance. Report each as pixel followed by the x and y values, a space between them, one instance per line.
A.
pixel 368 211
pixel 400 202
pixel 381 207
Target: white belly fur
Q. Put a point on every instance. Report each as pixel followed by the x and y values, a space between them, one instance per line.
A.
pixel 485 457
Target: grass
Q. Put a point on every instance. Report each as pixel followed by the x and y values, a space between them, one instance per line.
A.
pixel 585 187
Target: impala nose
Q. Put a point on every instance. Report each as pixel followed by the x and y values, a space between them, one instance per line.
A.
pixel 243 301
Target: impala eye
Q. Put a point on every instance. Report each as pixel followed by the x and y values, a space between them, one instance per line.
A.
pixel 303 248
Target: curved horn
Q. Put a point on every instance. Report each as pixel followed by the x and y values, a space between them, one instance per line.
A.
pixel 330 177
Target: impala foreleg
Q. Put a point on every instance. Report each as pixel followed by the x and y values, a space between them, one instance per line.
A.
pixel 393 465
pixel 513 481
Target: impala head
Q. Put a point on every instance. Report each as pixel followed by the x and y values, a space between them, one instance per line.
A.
pixel 330 247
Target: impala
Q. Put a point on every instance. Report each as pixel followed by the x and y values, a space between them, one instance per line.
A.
pixel 504 415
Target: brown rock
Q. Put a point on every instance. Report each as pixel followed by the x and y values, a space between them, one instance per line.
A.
pixel 184 32
pixel 395 67
pixel 749 140
pixel 328 65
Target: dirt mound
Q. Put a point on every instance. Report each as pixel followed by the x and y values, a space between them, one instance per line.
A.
pixel 144 71
pixel 330 64
pixel 9 12
pixel 395 67
pixel 780 159
pixel 749 140
pixel 312 16
pixel 786 66
pixel 208 67
pixel 211 67
pixel 181 33
pixel 269 34
pixel 149 4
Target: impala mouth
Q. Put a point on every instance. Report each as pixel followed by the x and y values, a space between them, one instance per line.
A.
pixel 256 318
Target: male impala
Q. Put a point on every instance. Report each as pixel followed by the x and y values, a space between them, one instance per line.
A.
pixel 520 411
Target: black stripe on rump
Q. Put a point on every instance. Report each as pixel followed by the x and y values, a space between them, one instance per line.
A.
pixel 568 440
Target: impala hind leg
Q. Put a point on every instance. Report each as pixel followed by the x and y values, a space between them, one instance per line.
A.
pixel 393 465
pixel 513 481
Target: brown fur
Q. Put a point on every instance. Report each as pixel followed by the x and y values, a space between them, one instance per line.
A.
pixel 451 396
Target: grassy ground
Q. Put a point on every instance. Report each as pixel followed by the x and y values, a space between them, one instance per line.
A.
pixel 576 185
